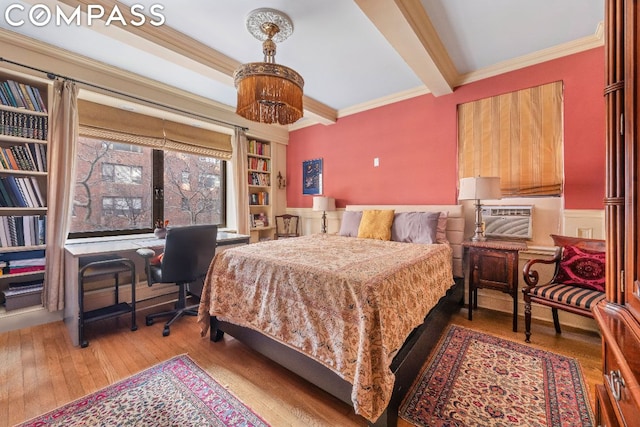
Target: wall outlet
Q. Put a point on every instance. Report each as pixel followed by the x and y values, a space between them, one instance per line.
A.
pixel 376 162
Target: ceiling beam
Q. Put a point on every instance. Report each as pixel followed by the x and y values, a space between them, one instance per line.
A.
pixel 407 27
pixel 180 44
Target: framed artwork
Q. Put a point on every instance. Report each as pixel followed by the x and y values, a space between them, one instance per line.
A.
pixel 312 176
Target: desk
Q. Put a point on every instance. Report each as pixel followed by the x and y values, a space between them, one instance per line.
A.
pixel 124 246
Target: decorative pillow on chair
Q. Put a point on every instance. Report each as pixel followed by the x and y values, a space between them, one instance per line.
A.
pixel 350 223
pixel 415 227
pixel 376 224
pixel 582 267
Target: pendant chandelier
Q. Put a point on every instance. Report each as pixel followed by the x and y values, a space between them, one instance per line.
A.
pixel 269 92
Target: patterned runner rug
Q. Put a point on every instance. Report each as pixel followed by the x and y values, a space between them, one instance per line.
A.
pixel 173 393
pixel 474 379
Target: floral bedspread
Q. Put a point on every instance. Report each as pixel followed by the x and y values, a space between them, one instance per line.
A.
pixel 346 302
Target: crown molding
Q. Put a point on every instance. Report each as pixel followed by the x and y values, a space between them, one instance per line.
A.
pixel 107 80
pixel 577 46
pixel 380 102
pixel 566 49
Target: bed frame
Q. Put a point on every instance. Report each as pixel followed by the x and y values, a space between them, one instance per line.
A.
pixel 407 363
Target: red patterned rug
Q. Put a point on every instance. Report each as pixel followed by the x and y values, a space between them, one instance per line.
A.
pixel 474 379
pixel 173 393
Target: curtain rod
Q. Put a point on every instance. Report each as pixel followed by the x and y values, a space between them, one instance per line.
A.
pixel 54 76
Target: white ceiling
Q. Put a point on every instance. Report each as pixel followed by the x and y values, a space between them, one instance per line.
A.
pixel 353 54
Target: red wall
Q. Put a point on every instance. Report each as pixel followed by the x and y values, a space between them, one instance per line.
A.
pixel 415 141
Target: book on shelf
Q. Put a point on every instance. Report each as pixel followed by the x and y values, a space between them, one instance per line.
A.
pixel 20 192
pixel 255 163
pixel 10 158
pixel 28 284
pixel 27 97
pixel 259 220
pixel 24 125
pixel 11 185
pixel 259 178
pixel 259 198
pixel 259 148
pixel 15 94
pixel 28 230
pixel 21 95
pixel 23 159
pixel 40 201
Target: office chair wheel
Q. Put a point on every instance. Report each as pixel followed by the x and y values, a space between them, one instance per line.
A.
pixel 134 328
pixel 84 344
pixel 149 322
pixel 166 331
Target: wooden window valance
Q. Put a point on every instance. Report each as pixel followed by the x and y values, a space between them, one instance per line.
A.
pixel 113 124
pixel 517 136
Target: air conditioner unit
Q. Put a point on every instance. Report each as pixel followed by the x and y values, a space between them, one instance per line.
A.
pixel 508 221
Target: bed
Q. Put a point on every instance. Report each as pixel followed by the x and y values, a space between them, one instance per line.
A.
pixel 346 313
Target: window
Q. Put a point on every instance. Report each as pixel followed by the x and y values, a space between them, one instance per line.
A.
pixel 114 196
pixel 122 174
pixel 516 136
pixel 130 207
pixel 193 189
pixel 135 170
pixel 127 147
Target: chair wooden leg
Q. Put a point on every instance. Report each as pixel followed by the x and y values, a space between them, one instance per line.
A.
pixel 527 321
pixel 556 321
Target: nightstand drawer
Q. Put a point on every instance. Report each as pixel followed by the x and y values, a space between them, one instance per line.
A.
pixel 493 269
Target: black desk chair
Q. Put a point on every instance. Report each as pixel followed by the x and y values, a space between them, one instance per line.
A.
pixel 188 251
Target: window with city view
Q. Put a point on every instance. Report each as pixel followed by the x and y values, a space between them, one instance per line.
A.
pixel 128 188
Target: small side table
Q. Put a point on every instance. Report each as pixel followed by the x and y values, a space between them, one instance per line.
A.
pixel 493 264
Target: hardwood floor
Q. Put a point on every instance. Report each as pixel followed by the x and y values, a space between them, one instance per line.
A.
pixel 40 369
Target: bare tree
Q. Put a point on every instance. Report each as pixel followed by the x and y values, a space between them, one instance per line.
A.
pixel 195 185
pixel 90 154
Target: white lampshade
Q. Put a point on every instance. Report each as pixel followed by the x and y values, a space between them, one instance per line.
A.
pixel 480 188
pixel 321 203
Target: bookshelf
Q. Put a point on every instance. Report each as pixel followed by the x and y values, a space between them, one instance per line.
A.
pixel 24 127
pixel 259 165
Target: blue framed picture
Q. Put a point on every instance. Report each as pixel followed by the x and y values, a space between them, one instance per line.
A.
pixel 312 176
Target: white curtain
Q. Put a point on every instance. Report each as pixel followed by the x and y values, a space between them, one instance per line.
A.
pixel 240 180
pixel 61 164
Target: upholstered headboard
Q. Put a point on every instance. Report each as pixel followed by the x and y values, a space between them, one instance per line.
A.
pixel 455 225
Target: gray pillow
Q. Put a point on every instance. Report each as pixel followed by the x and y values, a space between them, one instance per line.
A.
pixel 415 227
pixel 350 223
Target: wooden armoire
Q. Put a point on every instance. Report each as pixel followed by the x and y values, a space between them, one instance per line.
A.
pixel 618 397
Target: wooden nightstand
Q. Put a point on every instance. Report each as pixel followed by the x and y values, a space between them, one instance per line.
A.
pixel 493 264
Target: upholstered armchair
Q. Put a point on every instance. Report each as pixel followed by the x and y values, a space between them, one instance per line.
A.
pixel 577 284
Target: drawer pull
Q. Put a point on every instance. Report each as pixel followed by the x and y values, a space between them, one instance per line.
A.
pixel 616 382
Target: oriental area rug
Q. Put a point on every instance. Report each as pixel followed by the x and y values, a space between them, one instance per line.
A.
pixel 474 379
pixel 176 392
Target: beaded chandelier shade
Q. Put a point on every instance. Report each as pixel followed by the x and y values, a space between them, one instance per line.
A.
pixel 269 92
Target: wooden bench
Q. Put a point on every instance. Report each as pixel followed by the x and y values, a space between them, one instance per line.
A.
pixel 579 273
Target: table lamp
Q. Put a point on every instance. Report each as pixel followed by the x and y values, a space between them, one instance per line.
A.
pixel 478 188
pixel 324 204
